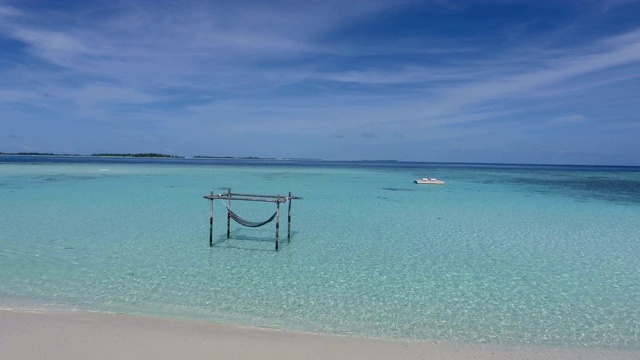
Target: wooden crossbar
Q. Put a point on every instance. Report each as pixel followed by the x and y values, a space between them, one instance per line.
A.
pixel 252 197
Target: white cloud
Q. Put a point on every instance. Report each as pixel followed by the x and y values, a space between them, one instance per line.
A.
pixel 604 55
pixel 9 11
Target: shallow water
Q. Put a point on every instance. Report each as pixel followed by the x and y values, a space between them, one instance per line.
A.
pixel 541 255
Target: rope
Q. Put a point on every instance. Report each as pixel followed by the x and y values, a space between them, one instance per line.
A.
pixel 247 223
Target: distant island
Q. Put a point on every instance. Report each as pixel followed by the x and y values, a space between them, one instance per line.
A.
pixel 231 157
pixel 154 155
pixel 37 154
pixel 144 155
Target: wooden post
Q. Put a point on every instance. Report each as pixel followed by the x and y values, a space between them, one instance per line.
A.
pixel 229 214
pixel 211 220
pixel 289 219
pixel 277 219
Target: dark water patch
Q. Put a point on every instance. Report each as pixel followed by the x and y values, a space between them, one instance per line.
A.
pixel 62 178
pixel 275 175
pixel 584 188
pixel 68 248
pixel 395 189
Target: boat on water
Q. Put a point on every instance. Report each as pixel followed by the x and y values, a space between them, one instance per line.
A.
pixel 428 180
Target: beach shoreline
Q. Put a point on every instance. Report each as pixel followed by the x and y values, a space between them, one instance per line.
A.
pixel 70 335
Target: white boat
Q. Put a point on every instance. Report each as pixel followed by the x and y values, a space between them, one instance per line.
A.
pixel 427 180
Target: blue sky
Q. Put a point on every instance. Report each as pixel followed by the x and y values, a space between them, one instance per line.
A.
pixel 467 81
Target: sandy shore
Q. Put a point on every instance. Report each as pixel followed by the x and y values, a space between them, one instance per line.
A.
pixel 79 335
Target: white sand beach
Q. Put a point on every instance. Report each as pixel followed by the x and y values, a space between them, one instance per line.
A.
pixel 82 335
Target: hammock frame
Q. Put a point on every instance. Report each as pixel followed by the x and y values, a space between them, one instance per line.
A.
pixel 229 196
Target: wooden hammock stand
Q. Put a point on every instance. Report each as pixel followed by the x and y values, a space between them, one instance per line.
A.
pixel 229 196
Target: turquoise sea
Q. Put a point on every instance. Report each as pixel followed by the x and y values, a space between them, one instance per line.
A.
pixel 501 254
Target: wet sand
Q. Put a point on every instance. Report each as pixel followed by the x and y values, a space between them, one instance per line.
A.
pixel 82 335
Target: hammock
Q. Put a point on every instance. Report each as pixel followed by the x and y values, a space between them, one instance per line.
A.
pixel 248 223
